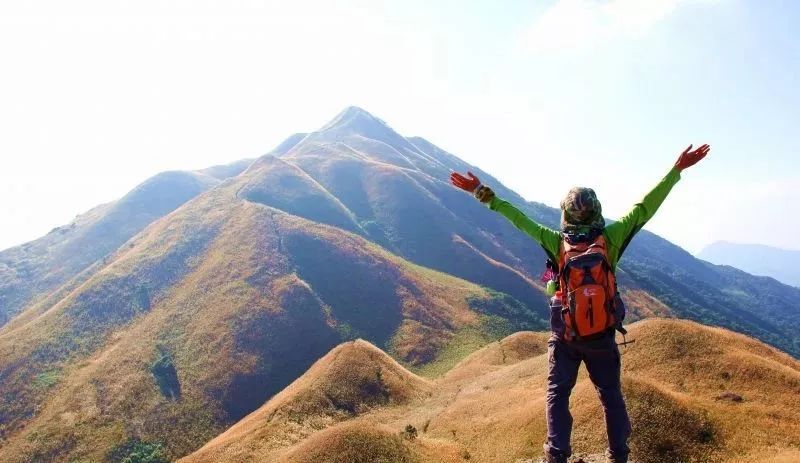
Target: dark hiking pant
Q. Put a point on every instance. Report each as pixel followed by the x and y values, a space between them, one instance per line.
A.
pixel 603 364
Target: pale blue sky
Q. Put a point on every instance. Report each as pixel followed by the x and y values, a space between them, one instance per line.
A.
pixel 99 95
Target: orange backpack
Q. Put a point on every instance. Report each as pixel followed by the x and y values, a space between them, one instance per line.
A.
pixel 588 287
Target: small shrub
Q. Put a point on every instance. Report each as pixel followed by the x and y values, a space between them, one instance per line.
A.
pixel 166 376
pixel 410 432
pixel 731 396
pixel 46 379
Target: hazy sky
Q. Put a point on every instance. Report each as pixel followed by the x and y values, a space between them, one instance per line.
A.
pixel 96 96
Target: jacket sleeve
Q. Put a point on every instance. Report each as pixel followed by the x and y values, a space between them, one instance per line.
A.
pixel 548 238
pixel 619 234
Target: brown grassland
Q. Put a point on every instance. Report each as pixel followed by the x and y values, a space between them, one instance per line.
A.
pixel 695 394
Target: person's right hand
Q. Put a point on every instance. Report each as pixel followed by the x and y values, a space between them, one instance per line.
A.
pixel 466 184
pixel 689 158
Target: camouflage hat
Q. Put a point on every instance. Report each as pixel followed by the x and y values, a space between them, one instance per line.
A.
pixel 580 208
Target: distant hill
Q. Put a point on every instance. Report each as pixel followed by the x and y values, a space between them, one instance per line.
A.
pixel 226 171
pixel 757 259
pixel 31 271
pixel 725 398
pixel 226 294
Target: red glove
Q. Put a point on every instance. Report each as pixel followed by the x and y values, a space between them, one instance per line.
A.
pixel 466 184
pixel 690 158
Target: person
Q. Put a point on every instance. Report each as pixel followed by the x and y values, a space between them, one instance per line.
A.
pixel 581 216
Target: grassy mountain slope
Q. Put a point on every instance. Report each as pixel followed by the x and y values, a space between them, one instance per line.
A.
pixel 695 394
pixel 30 272
pixel 382 185
pixel 196 323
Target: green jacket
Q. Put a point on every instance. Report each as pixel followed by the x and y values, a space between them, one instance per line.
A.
pixel 617 235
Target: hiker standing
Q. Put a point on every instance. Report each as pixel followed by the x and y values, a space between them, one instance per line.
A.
pixel 586 309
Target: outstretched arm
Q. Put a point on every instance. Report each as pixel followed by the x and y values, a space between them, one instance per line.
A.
pixel 548 238
pixel 620 233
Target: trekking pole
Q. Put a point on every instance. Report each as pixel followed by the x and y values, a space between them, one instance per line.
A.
pixel 625 341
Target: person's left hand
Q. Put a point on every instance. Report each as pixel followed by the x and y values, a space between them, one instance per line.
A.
pixel 466 184
pixel 689 158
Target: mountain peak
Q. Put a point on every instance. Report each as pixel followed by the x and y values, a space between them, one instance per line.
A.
pixel 361 130
pixel 355 110
pixel 356 120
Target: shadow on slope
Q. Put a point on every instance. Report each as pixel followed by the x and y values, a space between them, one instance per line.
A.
pixel 283 345
pixel 373 311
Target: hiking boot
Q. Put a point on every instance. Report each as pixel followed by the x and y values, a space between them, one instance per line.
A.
pixel 615 458
pixel 555 458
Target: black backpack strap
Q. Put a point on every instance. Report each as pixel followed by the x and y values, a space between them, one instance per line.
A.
pixel 551 258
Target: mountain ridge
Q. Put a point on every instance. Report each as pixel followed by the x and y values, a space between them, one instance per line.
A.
pixel 45 264
pixel 757 259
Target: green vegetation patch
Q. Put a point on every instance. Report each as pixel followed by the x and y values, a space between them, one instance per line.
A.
pixel 46 379
pixel 501 315
pixel 464 342
pixel 500 306
pixel 347 332
pixel 136 451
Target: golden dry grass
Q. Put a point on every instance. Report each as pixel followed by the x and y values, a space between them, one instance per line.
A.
pixel 490 407
pixel 351 380
pixel 353 443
